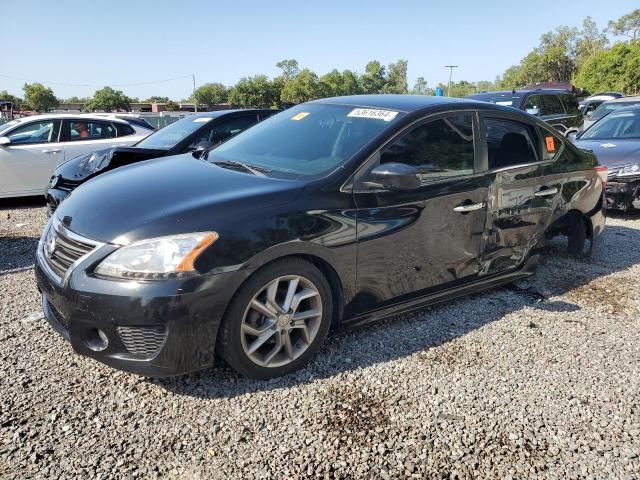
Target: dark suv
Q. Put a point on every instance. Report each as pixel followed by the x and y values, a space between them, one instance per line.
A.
pixel 335 212
pixel 559 108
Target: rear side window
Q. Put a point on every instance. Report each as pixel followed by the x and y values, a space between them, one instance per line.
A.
pixel 509 143
pixel 551 145
pixel 551 105
pixel 122 129
pixel 440 148
pixel 80 130
pixel 533 105
pixel 570 104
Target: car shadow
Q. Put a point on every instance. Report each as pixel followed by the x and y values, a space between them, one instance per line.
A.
pixel 576 281
pixel 17 252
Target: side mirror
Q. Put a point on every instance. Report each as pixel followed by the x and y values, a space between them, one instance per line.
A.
pixel 394 176
pixel 4 141
pixel 201 147
pixel 533 111
pixel 572 136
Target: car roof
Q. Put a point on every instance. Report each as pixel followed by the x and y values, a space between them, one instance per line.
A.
pixel 554 91
pixel 634 98
pixel 55 116
pixel 404 103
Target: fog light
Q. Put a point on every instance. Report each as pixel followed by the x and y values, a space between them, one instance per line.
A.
pixel 96 340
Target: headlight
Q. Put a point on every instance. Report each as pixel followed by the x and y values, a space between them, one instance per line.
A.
pixel 157 258
pixel 93 162
pixel 633 169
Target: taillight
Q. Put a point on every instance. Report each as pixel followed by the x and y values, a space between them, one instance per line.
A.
pixel 602 172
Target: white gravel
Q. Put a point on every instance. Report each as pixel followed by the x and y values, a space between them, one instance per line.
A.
pixel 541 380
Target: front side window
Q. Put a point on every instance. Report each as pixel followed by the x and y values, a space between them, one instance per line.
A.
pixel 169 136
pixel 36 132
pixel 437 149
pixel 308 140
pixel 509 143
pixel 224 130
pixel 90 130
pixel 551 105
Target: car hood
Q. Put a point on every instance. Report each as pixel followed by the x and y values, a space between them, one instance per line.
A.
pixel 613 152
pixel 171 195
pixel 75 169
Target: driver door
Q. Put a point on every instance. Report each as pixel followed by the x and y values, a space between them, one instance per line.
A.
pixel 27 162
pixel 411 242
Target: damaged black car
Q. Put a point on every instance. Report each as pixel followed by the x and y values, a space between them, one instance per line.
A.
pixel 331 214
pixel 615 140
pixel 194 133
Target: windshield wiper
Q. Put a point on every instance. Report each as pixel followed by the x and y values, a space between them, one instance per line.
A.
pixel 256 170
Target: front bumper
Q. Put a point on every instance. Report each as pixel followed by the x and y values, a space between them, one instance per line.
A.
pixel 153 329
pixel 54 196
pixel 622 195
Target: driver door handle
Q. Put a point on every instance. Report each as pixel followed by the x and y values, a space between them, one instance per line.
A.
pixel 546 192
pixel 52 150
pixel 469 208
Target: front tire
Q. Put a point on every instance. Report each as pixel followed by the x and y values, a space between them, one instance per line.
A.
pixel 277 320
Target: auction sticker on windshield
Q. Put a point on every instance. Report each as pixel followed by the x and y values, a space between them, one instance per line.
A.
pixel 386 115
pixel 300 116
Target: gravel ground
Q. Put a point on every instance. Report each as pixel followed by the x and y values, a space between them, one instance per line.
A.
pixel 537 380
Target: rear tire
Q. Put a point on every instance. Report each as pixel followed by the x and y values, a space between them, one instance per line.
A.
pixel 577 236
pixel 277 320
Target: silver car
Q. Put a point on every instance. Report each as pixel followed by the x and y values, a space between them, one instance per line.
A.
pixel 32 147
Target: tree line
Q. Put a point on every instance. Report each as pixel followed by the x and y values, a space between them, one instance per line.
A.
pixel 595 60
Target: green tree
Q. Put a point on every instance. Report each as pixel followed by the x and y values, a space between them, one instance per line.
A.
pixel 303 87
pixel 590 42
pixel 157 99
pixel 256 92
pixel 627 26
pixel 420 87
pixel 396 80
pixel 210 94
pixel 108 99
pixel 616 69
pixel 374 78
pixel 171 106
pixel 39 98
pixel 334 83
pixel 75 99
pixel 289 67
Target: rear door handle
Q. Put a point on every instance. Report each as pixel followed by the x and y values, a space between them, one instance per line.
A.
pixel 52 150
pixel 546 192
pixel 469 208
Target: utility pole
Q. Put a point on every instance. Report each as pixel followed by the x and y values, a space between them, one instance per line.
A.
pixel 195 102
pixel 450 67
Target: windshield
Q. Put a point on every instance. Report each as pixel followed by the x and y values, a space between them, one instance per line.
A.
pixel 306 140
pixel 506 99
pixel 619 125
pixel 169 136
pixel 607 107
pixel 6 126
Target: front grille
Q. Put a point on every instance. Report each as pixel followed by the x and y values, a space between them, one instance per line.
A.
pixel 66 184
pixel 143 342
pixel 62 250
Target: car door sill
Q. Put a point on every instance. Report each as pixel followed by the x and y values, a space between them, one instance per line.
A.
pixel 526 270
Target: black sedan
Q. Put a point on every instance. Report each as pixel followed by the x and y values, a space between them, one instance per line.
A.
pixel 616 142
pixel 334 213
pixel 194 133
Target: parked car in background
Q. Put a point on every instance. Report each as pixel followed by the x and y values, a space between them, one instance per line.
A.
pixel 615 140
pixel 338 211
pixel 559 108
pixel 193 133
pixel 132 118
pixel 607 107
pixel 32 147
pixel 589 104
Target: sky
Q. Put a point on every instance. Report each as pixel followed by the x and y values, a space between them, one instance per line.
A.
pixel 77 47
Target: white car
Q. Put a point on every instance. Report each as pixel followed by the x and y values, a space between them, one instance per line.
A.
pixel 32 147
